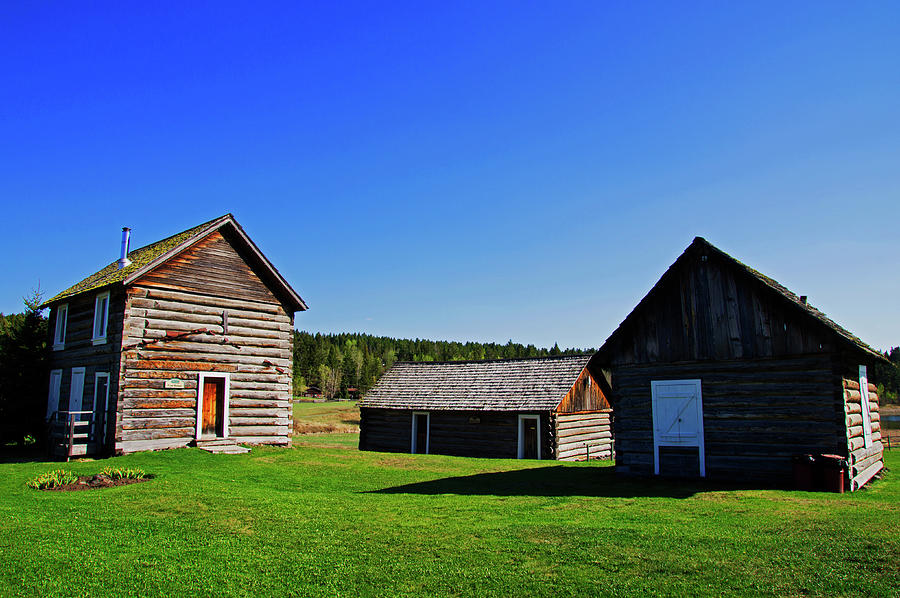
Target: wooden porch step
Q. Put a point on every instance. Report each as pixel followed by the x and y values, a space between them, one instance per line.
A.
pixel 225 446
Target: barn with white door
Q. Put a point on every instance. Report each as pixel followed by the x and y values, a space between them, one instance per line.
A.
pixel 721 372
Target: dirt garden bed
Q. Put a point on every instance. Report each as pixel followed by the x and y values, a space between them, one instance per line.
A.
pixel 90 482
pixel 62 480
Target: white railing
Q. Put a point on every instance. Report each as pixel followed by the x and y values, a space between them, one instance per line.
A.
pixel 75 432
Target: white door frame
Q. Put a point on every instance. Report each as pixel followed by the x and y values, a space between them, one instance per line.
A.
pixel 521 427
pixel 412 443
pixel 690 441
pixel 97 376
pixel 201 379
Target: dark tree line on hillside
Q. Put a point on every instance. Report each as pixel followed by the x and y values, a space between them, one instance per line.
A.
pixel 23 374
pixel 335 363
pixel 887 377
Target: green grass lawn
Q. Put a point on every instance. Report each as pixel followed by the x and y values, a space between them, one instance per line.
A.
pixel 324 519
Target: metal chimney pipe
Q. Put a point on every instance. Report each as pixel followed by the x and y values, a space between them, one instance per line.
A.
pixel 126 237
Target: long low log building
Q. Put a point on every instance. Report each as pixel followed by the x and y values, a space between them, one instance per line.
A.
pixel 184 340
pixel 541 408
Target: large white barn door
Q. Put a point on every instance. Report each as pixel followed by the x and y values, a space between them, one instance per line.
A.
pixel 677 417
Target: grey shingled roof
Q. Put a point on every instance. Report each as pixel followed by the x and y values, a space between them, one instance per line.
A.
pixel 535 384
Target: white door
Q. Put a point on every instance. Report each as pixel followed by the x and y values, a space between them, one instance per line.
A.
pixel 76 390
pixel 53 396
pixel 677 417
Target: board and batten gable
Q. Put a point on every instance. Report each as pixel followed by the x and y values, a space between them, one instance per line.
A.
pixel 769 365
pixel 202 305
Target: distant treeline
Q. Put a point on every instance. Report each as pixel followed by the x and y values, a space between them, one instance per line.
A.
pixel 887 377
pixel 336 363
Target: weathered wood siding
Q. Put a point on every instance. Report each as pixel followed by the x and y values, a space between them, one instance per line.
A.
pixel 175 327
pixel 709 311
pixel 585 395
pixel 80 351
pixel 459 433
pixel 864 462
pixel 757 414
pixel 580 436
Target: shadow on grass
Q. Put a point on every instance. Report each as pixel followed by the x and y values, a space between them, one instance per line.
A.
pixel 560 481
pixel 27 454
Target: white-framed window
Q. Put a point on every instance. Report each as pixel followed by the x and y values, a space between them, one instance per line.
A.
pixel 529 437
pixel 59 332
pixel 53 395
pixel 421 432
pixel 101 317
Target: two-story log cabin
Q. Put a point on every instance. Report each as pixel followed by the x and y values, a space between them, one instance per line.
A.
pixel 184 340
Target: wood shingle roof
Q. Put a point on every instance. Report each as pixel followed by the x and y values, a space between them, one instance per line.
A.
pixel 533 384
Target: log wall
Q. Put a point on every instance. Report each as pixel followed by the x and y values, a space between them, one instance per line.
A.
pixel 864 462
pixel 458 433
pixel 580 436
pixel 757 415
pixel 204 311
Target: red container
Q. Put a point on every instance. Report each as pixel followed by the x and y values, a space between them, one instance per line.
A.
pixel 803 472
pixel 832 472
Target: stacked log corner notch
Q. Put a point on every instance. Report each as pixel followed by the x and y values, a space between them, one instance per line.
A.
pixel 583 436
pixel 864 462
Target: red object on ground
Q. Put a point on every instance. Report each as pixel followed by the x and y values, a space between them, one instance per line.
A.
pixel 832 471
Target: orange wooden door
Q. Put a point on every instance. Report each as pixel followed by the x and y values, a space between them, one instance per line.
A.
pixel 213 406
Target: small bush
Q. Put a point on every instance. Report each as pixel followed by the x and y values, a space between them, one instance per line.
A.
pixel 53 479
pixel 123 473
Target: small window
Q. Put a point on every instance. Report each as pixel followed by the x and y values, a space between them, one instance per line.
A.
pixel 101 315
pixel 59 333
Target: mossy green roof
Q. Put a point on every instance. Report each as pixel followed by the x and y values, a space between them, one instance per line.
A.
pixel 140 258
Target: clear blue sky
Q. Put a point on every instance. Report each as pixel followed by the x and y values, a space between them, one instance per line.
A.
pixel 449 170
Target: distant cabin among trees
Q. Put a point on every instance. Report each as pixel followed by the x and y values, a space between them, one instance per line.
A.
pixel 184 340
pixel 540 408
pixel 722 372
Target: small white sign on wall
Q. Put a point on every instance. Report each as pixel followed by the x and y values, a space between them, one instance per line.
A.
pixel 174 383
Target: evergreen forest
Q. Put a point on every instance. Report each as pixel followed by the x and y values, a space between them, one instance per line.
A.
pixel 347 364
